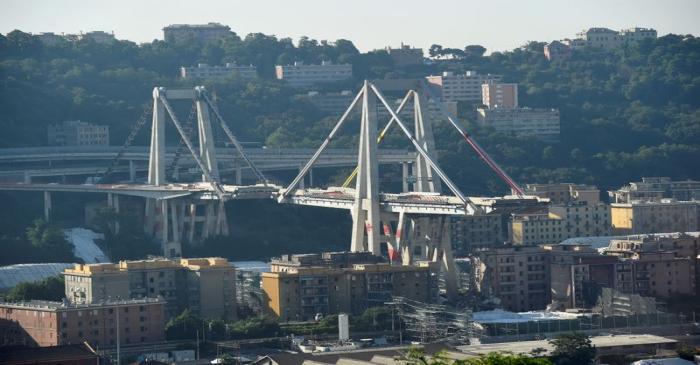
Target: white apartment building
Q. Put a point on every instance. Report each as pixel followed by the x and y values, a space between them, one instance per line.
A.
pixel 466 87
pixel 301 75
pixel 521 122
pixel 176 33
pixel 499 95
pixel 204 71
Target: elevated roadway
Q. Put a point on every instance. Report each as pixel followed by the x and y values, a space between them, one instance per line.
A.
pixel 21 164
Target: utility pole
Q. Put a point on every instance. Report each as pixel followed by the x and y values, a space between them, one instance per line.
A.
pixel 119 362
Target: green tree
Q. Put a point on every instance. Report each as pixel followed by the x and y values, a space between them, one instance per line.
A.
pixel 573 349
pixel 52 288
pixel 183 327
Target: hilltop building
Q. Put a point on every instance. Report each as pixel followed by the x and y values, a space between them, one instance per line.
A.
pixel 203 33
pixel 204 71
pixel 334 103
pixel 655 189
pixel 405 55
pixel 300 75
pixel 206 285
pixel 43 323
pixel 77 133
pixel 521 122
pixel 556 50
pixel 301 286
pixel 466 87
pixel 608 38
pixel 499 95
pixel 52 39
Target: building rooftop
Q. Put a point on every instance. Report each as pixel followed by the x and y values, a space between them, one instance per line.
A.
pixel 12 275
pixel 208 25
pixel 45 355
pixel 54 306
pixel 524 347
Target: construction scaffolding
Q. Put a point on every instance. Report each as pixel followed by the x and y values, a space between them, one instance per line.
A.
pixel 431 323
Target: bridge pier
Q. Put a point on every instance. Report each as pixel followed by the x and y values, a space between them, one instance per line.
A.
pixel 405 168
pixel 132 171
pixel 47 206
pixel 113 202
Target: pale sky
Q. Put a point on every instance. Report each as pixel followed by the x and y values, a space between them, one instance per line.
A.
pixel 370 24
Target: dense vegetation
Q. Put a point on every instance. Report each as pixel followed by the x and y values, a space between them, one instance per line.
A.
pixel 52 288
pixel 187 324
pixel 625 113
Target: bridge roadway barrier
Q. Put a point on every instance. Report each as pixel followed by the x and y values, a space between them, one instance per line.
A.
pixel 20 164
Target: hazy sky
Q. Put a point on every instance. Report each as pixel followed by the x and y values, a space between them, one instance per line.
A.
pixel 370 24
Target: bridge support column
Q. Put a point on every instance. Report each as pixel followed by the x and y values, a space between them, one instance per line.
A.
pixel 27 177
pixel 425 181
pixel 156 166
pixel 365 212
pixel 302 182
pixel 132 171
pixel 47 206
pixel 113 202
pixel 239 176
pixel 404 176
pixel 207 152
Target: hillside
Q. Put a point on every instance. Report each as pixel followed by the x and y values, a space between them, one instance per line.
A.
pixel 625 113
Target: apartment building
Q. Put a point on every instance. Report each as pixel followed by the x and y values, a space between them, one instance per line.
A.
pixel 583 220
pixel 517 275
pixel 44 323
pixel 536 228
pixel 204 71
pixel 206 285
pixel 301 286
pixel 565 193
pixel 649 266
pixel 521 122
pixel 608 38
pixel 77 133
pixel 334 103
pixel 577 271
pixel 479 232
pixel 499 95
pixel 682 245
pixel 301 76
pixel 665 215
pixel 405 55
pixel 556 50
pixel 203 33
pixel 466 88
pixel 655 189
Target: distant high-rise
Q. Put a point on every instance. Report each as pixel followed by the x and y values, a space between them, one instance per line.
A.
pixel 177 33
